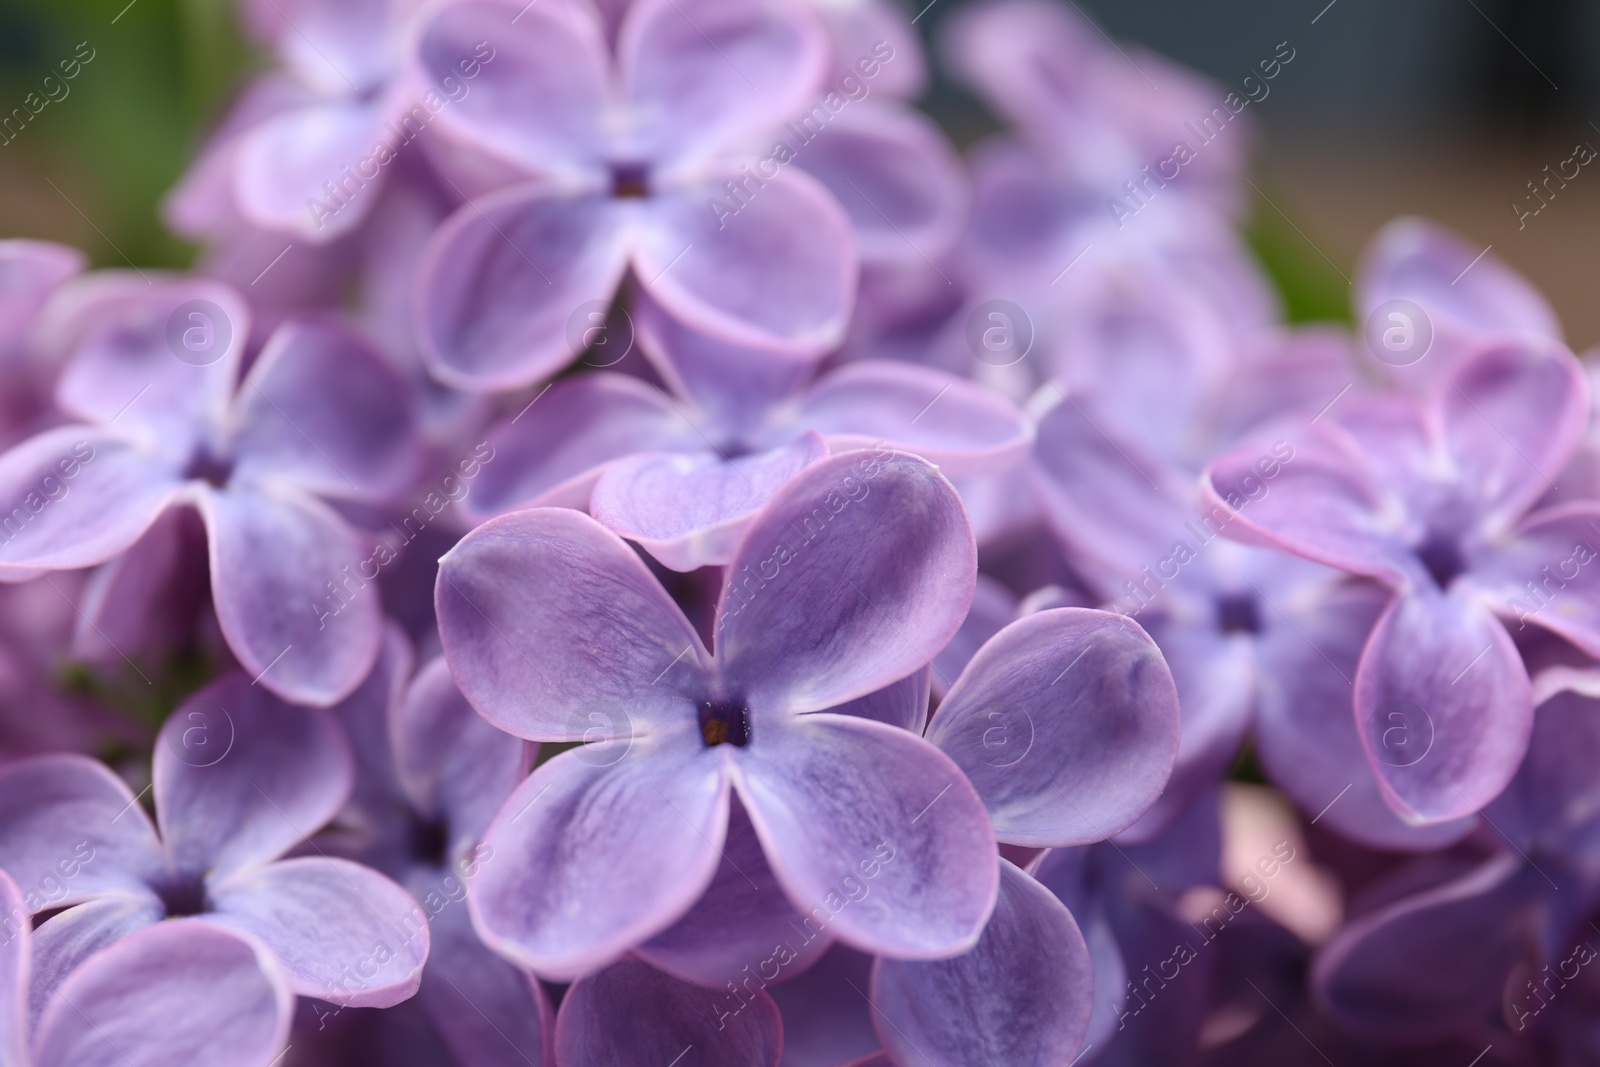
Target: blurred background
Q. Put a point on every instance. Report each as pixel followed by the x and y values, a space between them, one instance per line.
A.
pixel 1447 108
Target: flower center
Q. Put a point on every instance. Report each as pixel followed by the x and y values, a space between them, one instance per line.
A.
pixel 630 181
pixel 428 840
pixel 209 466
pixel 724 723
pixel 184 895
pixel 1440 554
pixel 1238 613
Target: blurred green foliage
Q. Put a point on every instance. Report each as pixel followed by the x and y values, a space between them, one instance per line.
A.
pixel 93 166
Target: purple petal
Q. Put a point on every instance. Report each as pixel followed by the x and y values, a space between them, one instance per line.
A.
pixel 29 272
pixel 552 451
pixel 874 833
pixel 903 703
pixel 65 941
pixel 73 831
pixel 487 1011
pixel 145 601
pixel 539 102
pixel 74 497
pixel 1538 575
pixel 1066 722
pixel 961 427
pixel 216 997
pixel 894 173
pixel 290 598
pixel 707 74
pixel 826 1014
pixel 1021 997
pixel 283 167
pixel 503 278
pixel 716 269
pixel 16 948
pixel 865 33
pixel 1556 790
pixel 665 1017
pixel 241 777
pixel 596 853
pixel 993 608
pixel 689 510
pixel 852 577
pixel 330 47
pixel 556 631
pixel 324 410
pixel 742 927
pixel 1444 706
pixel 343 932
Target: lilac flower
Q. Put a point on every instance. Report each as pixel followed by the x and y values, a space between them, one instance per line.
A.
pixel 430 774
pixel 849 578
pixel 320 415
pixel 240 779
pixel 856 27
pixel 684 477
pixel 180 992
pixel 1431 499
pixel 30 271
pixel 621 157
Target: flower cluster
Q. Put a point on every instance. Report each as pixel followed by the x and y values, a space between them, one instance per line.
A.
pixel 629 549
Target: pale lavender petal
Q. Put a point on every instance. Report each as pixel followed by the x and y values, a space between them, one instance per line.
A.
pixel 1066 723
pixel 333 47
pixel 707 74
pixel 324 410
pixel 718 272
pixel 689 510
pixel 241 777
pixel 598 852
pixel 903 703
pixel 487 1011
pixel 283 169
pixel 16 949
pixel 666 1018
pixel 556 631
pixel 76 496
pixel 1443 704
pixel 894 173
pixel 216 998
pixel 73 831
pixel 874 41
pixel 291 598
pixel 994 607
pixel 503 277
pixel 855 574
pixel 1541 574
pixel 551 452
pixel 963 428
pixel 29 272
pixel 1021 997
pixel 343 932
pixel 63 942
pixel 875 834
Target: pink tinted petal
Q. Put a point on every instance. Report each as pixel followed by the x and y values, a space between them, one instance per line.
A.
pixel 552 451
pixel 556 631
pixel 1066 723
pixel 742 925
pixel 29 272
pixel 241 777
pixel 487 1011
pixel 216 998
pixel 1554 551
pixel 894 173
pixel 874 833
pixel 503 277
pixel 598 852
pixel 1511 418
pixel 274 552
pixel 539 102
pixel 852 577
pixel 75 496
pixel 665 1017
pixel 963 428
pixel 689 510
pixel 703 75
pixel 72 831
pixel 454 765
pixel 159 359
pixel 343 932
pixel 63 942
pixel 1021 997
pixel 780 273
pixel 16 947
pixel 1444 706
pixel 282 169
pixel 324 410
pixel 903 703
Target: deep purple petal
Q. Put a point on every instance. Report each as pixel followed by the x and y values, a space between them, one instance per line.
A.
pixel 597 852
pixel 556 631
pixel 853 576
pixel 290 596
pixel 1066 722
pixel 665 1017
pixel 875 834
pixel 826 1013
pixel 1021 997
